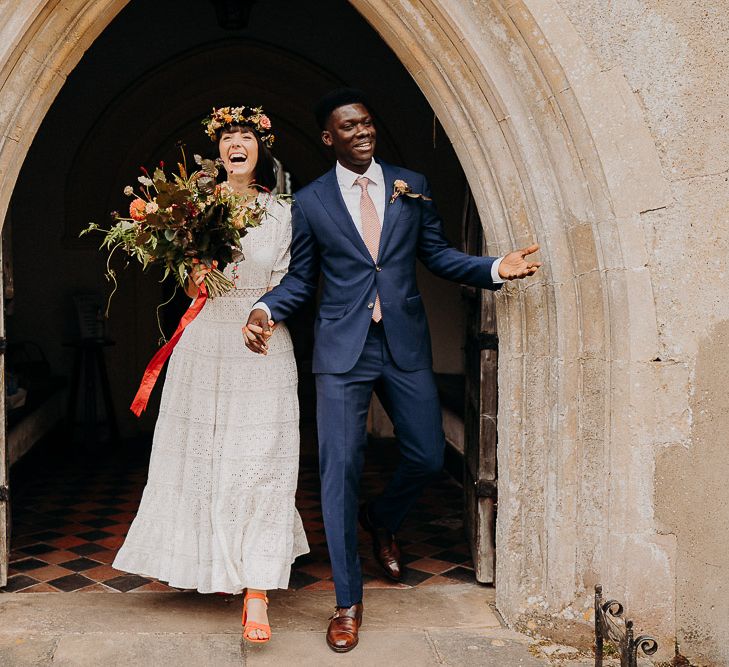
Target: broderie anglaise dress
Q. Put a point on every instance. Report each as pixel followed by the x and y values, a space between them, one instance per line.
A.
pixel 218 513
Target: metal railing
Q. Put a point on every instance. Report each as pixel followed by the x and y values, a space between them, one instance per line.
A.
pixel 611 626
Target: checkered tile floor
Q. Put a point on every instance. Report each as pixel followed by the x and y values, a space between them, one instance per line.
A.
pixel 69 522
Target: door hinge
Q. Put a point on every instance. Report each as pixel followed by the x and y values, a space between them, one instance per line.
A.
pixel 487 488
pixel 4 494
pixel 488 341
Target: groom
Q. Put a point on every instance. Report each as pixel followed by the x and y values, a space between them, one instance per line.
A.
pixel 371 334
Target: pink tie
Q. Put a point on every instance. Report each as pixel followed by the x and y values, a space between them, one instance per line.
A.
pixel 371 231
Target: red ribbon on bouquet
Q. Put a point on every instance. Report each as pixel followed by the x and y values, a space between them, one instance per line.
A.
pixel 154 368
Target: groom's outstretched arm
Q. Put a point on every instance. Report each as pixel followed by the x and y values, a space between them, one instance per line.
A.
pixel 445 261
pixel 435 251
pixel 296 287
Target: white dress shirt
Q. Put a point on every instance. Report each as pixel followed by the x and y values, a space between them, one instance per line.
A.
pixel 351 193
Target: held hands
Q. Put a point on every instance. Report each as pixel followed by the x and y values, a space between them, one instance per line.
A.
pixel 514 265
pixel 257 331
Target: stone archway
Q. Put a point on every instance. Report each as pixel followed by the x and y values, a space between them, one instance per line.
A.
pixel 555 150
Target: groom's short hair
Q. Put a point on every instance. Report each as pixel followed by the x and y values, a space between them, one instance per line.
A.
pixel 335 99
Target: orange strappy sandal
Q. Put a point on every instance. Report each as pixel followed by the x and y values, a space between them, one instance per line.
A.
pixel 252 625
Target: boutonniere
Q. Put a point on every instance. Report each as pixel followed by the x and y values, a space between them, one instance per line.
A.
pixel 400 187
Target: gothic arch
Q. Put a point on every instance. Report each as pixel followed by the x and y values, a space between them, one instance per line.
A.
pixel 557 151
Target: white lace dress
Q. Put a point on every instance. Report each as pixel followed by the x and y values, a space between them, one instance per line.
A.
pixel 218 513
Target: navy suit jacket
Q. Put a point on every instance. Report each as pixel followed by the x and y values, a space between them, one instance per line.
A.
pixel 325 240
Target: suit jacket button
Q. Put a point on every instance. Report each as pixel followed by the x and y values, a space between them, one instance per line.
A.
pixel 370 305
pixel 378 268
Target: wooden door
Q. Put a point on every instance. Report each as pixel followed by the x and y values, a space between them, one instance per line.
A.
pixel 4 494
pixel 480 435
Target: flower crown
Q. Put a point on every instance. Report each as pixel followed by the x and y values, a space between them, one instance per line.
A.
pixel 253 116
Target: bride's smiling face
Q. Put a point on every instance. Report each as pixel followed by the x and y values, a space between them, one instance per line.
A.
pixel 239 152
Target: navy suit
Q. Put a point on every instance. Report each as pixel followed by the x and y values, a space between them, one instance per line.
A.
pixel 353 357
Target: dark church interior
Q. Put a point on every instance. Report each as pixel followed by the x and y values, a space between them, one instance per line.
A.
pixel 78 455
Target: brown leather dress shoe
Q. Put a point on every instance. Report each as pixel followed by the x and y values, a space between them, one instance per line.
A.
pixel 343 631
pixel 386 551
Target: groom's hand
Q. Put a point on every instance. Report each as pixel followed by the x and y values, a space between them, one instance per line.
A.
pixel 514 265
pixel 257 331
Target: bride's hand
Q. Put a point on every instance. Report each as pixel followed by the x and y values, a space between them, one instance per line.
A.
pixel 200 270
pixel 196 276
pixel 250 331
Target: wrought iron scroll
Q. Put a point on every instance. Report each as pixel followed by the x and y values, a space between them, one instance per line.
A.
pixel 611 626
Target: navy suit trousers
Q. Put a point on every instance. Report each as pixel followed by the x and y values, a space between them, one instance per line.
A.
pixel 411 400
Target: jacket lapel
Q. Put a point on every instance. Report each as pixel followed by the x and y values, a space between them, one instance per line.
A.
pixel 331 198
pixel 392 211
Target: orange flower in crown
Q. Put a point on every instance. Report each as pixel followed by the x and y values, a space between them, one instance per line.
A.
pixel 251 116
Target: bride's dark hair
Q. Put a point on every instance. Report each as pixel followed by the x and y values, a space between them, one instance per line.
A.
pixel 265 174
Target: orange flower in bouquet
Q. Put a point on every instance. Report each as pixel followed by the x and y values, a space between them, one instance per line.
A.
pixel 137 210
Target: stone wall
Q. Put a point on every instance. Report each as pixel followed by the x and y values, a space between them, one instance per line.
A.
pixel 606 145
pixel 674 56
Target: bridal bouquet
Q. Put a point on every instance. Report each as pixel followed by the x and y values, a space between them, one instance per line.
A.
pixel 181 220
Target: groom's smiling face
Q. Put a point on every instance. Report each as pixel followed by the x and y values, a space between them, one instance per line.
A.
pixel 350 131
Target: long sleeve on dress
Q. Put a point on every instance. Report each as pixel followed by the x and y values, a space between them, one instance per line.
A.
pixel 281 265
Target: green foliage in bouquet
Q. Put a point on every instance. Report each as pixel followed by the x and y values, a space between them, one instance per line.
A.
pixel 178 221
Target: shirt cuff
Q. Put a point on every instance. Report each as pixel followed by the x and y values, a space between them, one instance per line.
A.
pixel 495 277
pixel 262 306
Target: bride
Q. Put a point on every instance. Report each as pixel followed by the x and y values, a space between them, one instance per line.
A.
pixel 218 513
